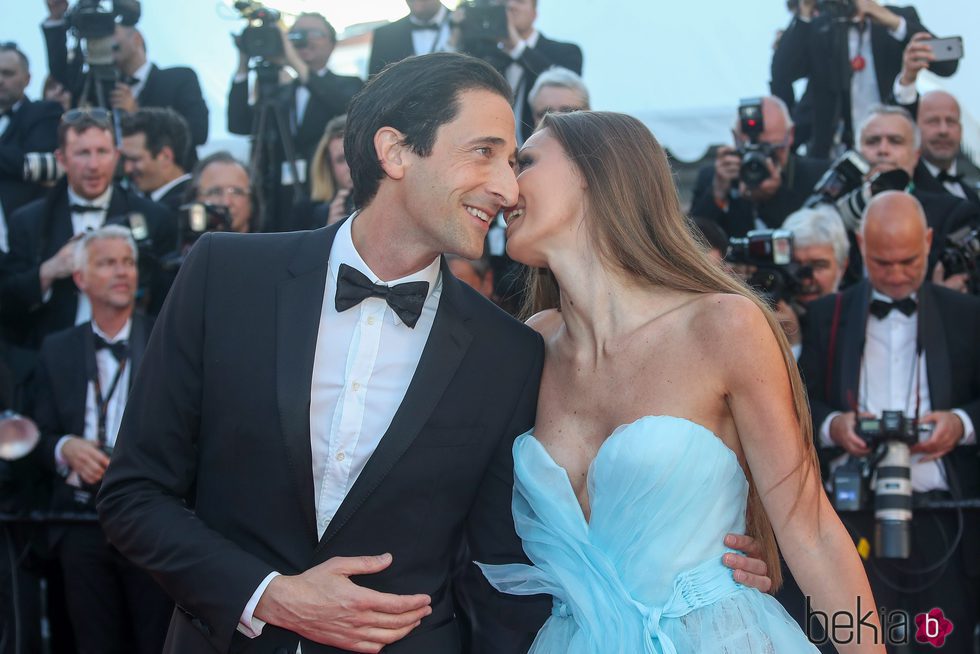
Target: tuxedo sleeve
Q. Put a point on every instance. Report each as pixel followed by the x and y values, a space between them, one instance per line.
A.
pixel 40 135
pixel 69 74
pixel 538 60
pixel 813 360
pixel 144 502
pixel 790 60
pixel 914 26
pixel 240 112
pixel 188 101
pixel 20 289
pixel 45 409
pixel 503 622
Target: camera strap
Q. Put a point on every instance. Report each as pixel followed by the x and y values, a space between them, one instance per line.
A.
pixel 102 404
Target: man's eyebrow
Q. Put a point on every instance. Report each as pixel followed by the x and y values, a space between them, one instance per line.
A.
pixel 486 140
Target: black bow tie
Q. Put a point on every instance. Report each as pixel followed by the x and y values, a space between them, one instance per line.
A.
pixel 881 308
pixel 85 208
pixel 119 349
pixel 130 81
pixel 405 299
pixel 416 27
pixel 944 177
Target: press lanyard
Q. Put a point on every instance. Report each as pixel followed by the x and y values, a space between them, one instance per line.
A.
pixel 102 405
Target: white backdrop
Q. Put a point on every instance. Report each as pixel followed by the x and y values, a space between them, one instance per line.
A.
pixel 681 66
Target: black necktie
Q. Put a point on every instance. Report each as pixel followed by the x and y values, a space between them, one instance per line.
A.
pixel 406 299
pixel 881 308
pixel 944 177
pixel 85 208
pixel 119 349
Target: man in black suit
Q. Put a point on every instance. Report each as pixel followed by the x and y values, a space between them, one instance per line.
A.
pixel 896 342
pixel 25 126
pixel 156 155
pixel 721 196
pixel 850 66
pixel 372 400
pixel 305 105
pixel 426 29
pixel 141 83
pixel 83 381
pixel 37 295
pixel 938 118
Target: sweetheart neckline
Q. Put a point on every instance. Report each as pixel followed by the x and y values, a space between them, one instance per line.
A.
pixel 615 432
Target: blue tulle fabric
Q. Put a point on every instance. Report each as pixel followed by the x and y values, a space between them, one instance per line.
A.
pixel 644 575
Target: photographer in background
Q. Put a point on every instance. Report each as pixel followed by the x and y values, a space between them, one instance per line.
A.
pixel 896 342
pixel 156 154
pixel 308 101
pixel 851 53
pixel 37 295
pixel 723 191
pixel 222 180
pixel 25 126
pixel 938 118
pixel 140 82
pixel 425 29
pixel 83 379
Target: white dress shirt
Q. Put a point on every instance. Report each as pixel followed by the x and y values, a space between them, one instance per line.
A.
pixel 365 359
pixel 303 100
pixel 517 78
pixel 162 191
pixel 952 187
pixel 108 367
pixel 141 74
pixel 864 83
pixel 890 375
pixel 428 41
pixel 81 222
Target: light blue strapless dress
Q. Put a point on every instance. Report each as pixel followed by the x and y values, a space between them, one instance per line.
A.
pixel 644 576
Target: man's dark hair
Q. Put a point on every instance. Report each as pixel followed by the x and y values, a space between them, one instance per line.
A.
pixel 12 47
pixel 161 127
pixel 331 32
pixel 414 96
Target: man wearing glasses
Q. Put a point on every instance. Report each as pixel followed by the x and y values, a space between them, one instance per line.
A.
pixel 308 102
pixel 37 293
pixel 223 181
pixel 721 193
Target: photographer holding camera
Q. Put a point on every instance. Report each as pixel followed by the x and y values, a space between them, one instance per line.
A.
pixel 83 379
pixel 139 82
pixel 425 29
pixel 759 182
pixel 895 342
pixel 307 103
pixel 851 53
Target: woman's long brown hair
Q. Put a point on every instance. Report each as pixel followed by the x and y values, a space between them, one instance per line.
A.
pixel 635 221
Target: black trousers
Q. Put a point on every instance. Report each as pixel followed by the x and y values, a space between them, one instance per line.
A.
pixel 115 608
pixel 955 588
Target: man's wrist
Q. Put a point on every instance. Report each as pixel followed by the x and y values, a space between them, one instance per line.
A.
pixel 250 624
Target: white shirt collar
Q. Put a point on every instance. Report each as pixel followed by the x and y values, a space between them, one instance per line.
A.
pixel 160 192
pixel 343 251
pixel 100 201
pixel 532 41
pixel 934 170
pixel 143 72
pixel 121 336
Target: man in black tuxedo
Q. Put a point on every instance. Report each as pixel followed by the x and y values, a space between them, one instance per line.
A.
pixel 371 397
pixel 141 83
pixel 37 295
pixel 896 342
pixel 938 118
pixel 83 381
pixel 426 29
pixel 305 104
pixel 719 194
pixel 850 66
pixel 25 126
pixel 156 153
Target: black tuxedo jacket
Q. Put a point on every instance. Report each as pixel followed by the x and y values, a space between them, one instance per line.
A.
pixel 37 232
pixel 799 177
pixel 175 197
pixel 949 323
pixel 66 365
pixel 211 489
pixel 177 88
pixel 807 50
pixel 33 128
pixel 924 180
pixel 391 43
pixel 544 55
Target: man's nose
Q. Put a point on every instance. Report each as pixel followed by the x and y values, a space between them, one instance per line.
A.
pixel 504 185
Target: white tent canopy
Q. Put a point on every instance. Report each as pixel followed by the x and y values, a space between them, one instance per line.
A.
pixel 680 67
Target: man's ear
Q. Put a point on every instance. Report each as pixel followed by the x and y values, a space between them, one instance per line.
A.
pixel 79 278
pixel 389 145
pixel 929 239
pixel 166 152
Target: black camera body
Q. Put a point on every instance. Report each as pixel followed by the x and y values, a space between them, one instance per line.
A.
pixel 844 176
pixel 755 155
pixel 194 220
pixel 261 37
pixel 837 9
pixel 962 255
pixel 94 19
pixel 891 426
pixel 484 21
pixel 776 276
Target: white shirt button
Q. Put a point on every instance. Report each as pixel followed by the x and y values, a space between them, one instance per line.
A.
pixel 356 386
pixel 370 320
pixel 340 456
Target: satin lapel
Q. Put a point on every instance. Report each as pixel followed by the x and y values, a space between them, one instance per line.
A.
pixel 298 302
pixel 938 365
pixel 851 335
pixel 443 352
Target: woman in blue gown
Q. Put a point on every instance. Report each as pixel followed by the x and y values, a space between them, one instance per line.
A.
pixel 670 413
